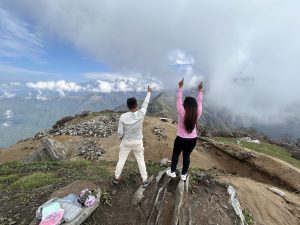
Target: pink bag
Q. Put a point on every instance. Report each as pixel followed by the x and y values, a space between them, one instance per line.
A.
pixel 53 218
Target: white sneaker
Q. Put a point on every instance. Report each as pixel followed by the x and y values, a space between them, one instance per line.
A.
pixel 183 177
pixel 171 174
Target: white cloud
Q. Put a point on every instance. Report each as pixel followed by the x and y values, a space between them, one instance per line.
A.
pixel 248 50
pixel 41 97
pixel 117 82
pixel 7 95
pixel 17 40
pixel 6 124
pixel 104 86
pixel 112 76
pixel 60 86
pixel 8 114
pixel 177 57
pixel 15 84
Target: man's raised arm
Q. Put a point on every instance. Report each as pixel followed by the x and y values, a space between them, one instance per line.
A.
pixel 144 107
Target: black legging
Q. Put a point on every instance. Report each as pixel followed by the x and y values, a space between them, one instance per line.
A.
pixel 186 145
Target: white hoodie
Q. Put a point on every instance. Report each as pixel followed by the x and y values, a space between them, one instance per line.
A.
pixel 131 123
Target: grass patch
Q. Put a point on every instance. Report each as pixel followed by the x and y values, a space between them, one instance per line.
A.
pixel 35 180
pixel 269 149
pixel 248 217
pixel 7 180
pixel 8 167
pixel 68 164
pixel 153 167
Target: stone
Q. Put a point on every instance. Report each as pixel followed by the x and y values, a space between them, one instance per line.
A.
pixel 91 149
pixel 276 191
pixel 165 162
pixel 160 133
pixel 102 126
pixel 164 119
pixel 56 149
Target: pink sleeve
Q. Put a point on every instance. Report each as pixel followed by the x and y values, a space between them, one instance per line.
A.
pixel 199 102
pixel 179 102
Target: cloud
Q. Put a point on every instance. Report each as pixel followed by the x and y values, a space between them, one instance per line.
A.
pixel 6 95
pixel 40 96
pixel 104 86
pixel 60 86
pixel 247 51
pixel 8 114
pixel 6 124
pixel 117 82
pixel 17 40
pixel 6 69
pixel 177 57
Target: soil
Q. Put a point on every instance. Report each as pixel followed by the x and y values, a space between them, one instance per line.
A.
pixel 266 206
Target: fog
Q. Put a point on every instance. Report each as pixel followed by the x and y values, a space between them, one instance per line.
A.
pixel 246 51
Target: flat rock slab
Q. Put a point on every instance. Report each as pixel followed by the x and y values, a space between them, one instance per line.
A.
pixel 75 188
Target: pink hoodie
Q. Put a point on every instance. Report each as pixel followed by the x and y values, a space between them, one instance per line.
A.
pixel 181 132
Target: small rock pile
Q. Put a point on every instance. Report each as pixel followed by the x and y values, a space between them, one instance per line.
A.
pixel 104 126
pixel 160 133
pixel 91 150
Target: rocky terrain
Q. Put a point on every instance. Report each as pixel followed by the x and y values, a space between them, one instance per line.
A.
pixel 85 148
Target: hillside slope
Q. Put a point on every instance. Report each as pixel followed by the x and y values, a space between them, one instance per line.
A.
pixel 251 176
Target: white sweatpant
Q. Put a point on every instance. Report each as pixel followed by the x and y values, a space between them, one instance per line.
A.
pixel 138 149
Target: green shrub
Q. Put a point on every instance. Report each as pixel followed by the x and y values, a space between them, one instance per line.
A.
pixel 35 180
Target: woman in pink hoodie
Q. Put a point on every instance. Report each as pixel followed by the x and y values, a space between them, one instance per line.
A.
pixel 189 112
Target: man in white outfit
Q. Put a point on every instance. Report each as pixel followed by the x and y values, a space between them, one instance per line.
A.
pixel 130 131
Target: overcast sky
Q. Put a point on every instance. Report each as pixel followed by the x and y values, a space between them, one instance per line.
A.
pixel 247 51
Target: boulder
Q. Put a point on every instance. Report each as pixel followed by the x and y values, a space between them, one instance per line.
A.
pixel 56 149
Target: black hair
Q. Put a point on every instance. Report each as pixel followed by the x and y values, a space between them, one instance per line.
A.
pixel 131 103
pixel 191 113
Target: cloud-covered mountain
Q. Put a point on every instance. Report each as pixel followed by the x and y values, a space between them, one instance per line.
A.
pixel 26 108
pixel 45 90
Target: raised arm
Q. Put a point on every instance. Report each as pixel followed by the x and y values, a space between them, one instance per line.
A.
pixel 144 107
pixel 200 99
pixel 179 103
pixel 120 128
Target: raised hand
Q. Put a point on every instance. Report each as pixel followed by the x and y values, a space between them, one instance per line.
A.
pixel 150 89
pixel 180 84
pixel 200 87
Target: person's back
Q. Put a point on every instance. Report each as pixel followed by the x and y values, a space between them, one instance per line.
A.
pixel 189 112
pixel 132 123
pixel 130 131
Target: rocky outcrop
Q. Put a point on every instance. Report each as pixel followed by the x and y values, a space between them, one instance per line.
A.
pixel 160 133
pixel 91 150
pixel 102 126
pixel 176 202
pixel 55 149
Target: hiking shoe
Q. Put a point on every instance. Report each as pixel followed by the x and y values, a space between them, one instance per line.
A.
pixel 115 181
pixel 146 183
pixel 183 177
pixel 171 174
